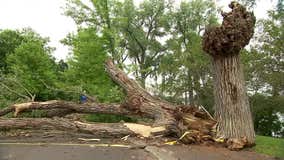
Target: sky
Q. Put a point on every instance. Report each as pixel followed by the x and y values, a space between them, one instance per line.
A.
pixel 46 18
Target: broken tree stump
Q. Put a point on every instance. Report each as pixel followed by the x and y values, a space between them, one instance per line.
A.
pixel 223 44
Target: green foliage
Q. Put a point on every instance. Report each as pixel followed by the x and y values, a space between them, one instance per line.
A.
pixel 249 3
pixel 270 46
pixel 263 66
pixel 102 16
pixel 153 40
pixel 31 63
pixel 265 109
pixel 129 31
pixel 185 71
pixel 143 29
pixel 9 41
pixel 106 118
pixel 280 6
pixel 254 70
pixel 270 146
pixel 86 67
pixel 27 63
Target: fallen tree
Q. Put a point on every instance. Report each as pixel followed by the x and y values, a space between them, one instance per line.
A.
pixel 169 119
pixel 188 123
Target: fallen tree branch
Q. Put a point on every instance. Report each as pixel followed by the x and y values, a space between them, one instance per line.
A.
pixel 98 129
pixel 31 96
pixel 14 92
pixel 193 124
pixel 73 107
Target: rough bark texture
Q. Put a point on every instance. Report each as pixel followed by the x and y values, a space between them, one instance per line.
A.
pixel 141 102
pixel 231 103
pixel 67 106
pixel 192 123
pixel 98 129
pixel 233 35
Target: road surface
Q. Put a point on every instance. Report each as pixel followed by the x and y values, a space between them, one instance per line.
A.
pixel 24 151
pixel 72 151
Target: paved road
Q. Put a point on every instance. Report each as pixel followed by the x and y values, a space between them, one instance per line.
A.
pixel 70 152
pixel 59 145
pixel 62 151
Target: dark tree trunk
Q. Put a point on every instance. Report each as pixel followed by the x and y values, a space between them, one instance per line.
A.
pixel 224 43
pixel 143 80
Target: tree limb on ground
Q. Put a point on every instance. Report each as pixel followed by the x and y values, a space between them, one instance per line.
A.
pixel 169 119
pixel 189 122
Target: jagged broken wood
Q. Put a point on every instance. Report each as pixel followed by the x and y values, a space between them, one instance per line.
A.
pixel 169 119
pixel 192 124
pixel 235 125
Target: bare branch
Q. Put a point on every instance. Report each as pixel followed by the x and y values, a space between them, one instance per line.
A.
pixel 15 92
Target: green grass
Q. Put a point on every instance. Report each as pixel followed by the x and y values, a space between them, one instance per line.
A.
pixel 270 146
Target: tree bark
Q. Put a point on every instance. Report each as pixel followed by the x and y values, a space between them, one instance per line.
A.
pixel 224 43
pixel 67 106
pixel 231 102
pixel 141 102
pixel 116 130
pixel 193 123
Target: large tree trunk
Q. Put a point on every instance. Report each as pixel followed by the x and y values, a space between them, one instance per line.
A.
pixel 98 129
pixel 67 106
pixel 195 124
pixel 231 102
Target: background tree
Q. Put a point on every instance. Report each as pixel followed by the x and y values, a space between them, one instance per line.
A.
pixel 31 63
pixel 144 28
pixel 86 69
pixel 160 39
pixel 271 48
pixel 130 31
pixel 102 16
pixel 249 3
pixel 9 41
pixel 264 73
pixel 266 111
pixel 190 70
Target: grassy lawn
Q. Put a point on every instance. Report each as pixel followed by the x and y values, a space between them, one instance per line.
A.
pixel 270 146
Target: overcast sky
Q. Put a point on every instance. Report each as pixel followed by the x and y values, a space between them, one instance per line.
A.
pixel 45 17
